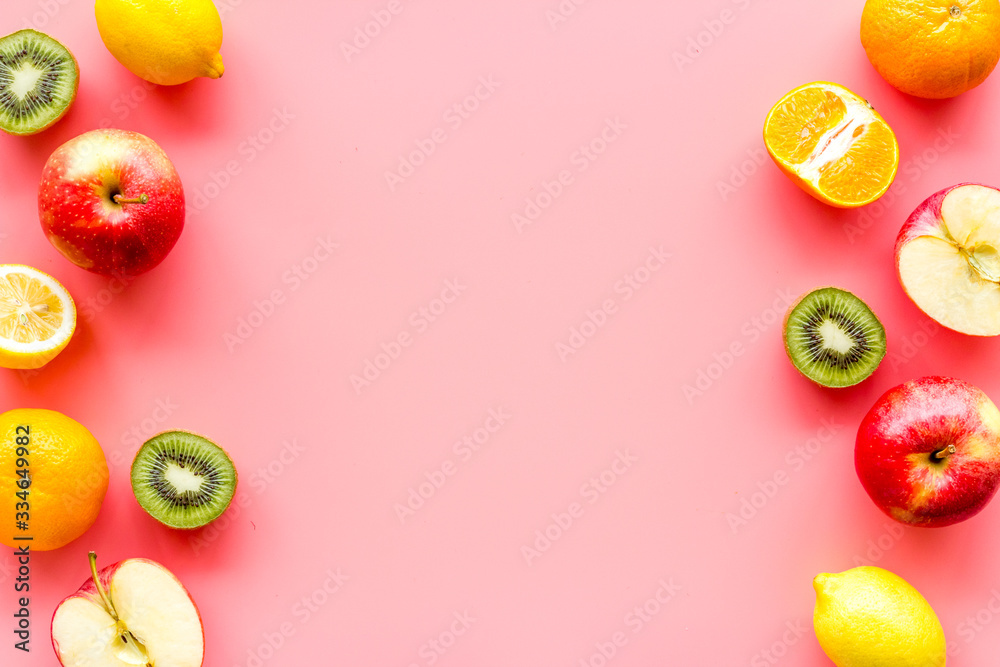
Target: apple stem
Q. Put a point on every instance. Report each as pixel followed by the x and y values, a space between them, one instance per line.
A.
pixel 100 589
pixel 943 453
pixel 123 632
pixel 141 199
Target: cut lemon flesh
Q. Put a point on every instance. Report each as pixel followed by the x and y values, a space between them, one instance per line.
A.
pixel 37 317
pixel 832 144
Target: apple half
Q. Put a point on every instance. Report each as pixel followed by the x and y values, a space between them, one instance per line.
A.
pixel 948 258
pixel 134 612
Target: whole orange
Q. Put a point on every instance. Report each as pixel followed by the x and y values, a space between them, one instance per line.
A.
pixel 932 48
pixel 53 478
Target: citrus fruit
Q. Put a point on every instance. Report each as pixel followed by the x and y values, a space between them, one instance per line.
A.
pixel 932 48
pixel 53 477
pixel 870 617
pixel 163 41
pixel 37 317
pixel 832 144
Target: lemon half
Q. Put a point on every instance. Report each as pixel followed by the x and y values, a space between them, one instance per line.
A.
pixel 37 317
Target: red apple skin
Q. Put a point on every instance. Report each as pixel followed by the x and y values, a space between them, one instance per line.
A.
pixel 925 219
pixel 80 217
pixel 897 439
pixel 89 591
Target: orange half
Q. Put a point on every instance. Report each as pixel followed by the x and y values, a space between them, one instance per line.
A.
pixel 832 144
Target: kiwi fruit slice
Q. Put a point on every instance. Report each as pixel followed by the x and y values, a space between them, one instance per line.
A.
pixel 183 480
pixel 833 337
pixel 38 81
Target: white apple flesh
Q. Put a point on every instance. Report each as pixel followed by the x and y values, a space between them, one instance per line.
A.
pixel 134 612
pixel 948 258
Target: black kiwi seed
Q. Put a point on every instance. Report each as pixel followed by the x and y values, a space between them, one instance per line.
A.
pixel 183 480
pixel 38 81
pixel 833 338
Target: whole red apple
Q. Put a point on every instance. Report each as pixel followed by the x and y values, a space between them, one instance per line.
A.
pixel 111 202
pixel 134 612
pixel 928 451
pixel 948 258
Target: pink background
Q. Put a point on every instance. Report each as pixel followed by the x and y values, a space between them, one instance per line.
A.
pixel 252 329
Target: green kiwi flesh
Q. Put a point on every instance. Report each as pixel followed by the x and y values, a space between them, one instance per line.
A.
pixel 38 81
pixel 833 338
pixel 183 480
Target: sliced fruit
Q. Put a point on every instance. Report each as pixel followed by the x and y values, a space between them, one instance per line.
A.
pixel 948 258
pixel 38 81
pixel 135 612
pixel 37 317
pixel 183 480
pixel 832 144
pixel 833 338
pixel 870 617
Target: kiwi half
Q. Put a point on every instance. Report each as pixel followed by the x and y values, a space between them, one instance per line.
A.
pixel 183 480
pixel 833 337
pixel 38 81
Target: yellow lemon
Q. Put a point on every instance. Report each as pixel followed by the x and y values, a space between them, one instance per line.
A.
pixel 53 478
pixel 870 617
pixel 37 317
pixel 163 41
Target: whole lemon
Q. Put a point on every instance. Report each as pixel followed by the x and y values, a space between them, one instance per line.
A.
pixel 163 41
pixel 870 617
pixel 53 478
